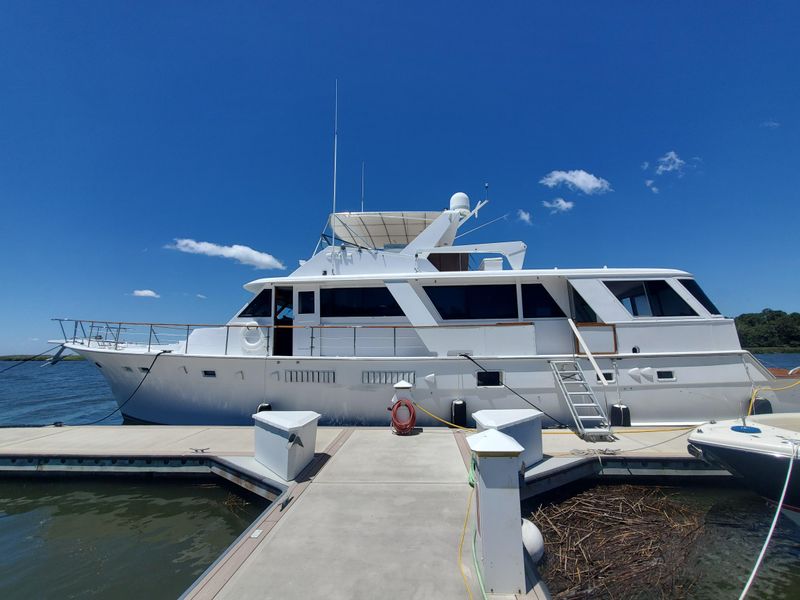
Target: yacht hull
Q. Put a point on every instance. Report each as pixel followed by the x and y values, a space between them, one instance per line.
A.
pixel 226 390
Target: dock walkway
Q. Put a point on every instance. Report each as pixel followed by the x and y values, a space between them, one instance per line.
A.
pixel 374 515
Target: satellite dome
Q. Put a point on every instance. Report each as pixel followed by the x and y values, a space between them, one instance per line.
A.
pixel 459 201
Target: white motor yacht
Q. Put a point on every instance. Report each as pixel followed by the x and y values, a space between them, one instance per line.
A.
pixel 392 296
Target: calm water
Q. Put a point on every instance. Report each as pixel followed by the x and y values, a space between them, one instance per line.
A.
pixel 36 393
pixel 113 538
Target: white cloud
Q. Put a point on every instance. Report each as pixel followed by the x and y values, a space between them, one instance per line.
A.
pixel 241 254
pixel 524 216
pixel 559 205
pixel 201 296
pixel 649 183
pixel 645 165
pixel 770 124
pixel 145 294
pixel 670 162
pixel 577 180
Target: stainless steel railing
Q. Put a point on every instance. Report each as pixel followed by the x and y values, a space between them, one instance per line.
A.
pixel 344 339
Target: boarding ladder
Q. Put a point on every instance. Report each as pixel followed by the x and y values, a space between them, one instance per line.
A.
pixel 590 419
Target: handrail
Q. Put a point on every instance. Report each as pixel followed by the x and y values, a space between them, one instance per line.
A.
pixel 182 326
pixel 589 355
pixel 128 334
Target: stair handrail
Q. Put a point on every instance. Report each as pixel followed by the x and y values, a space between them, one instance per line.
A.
pixel 589 355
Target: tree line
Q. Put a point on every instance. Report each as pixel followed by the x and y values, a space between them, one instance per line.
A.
pixel 769 328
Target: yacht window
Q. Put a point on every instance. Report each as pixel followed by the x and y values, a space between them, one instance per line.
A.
pixel 537 303
pixel 358 302
pixel 209 373
pixel 489 378
pixel 144 369
pixel 260 306
pixel 650 299
pixel 665 375
pixel 699 295
pixel 474 301
pixel 128 369
pixel 305 300
pixel 583 312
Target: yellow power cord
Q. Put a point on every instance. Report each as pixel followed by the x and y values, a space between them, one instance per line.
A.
pixel 430 414
pixel 461 543
pixel 767 389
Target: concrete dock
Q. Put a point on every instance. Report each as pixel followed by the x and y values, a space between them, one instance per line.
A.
pixel 374 515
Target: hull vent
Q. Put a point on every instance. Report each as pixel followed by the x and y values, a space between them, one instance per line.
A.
pixel 387 377
pixel 310 376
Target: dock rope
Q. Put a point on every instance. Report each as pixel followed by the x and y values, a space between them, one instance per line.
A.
pixel 133 393
pixel 513 391
pixel 774 523
pixel 30 358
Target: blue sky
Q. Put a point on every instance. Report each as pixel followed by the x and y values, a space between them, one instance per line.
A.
pixel 127 125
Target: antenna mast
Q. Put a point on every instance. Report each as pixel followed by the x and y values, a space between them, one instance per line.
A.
pixel 362 185
pixel 335 152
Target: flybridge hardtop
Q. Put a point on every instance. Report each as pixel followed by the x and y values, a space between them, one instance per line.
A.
pixel 394 296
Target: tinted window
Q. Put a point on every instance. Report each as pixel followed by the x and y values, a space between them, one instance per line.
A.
pixel 474 301
pixel 665 302
pixel 583 312
pixel 650 298
pixel 696 291
pixel 306 302
pixel 632 296
pixel 537 303
pixel 260 306
pixel 358 302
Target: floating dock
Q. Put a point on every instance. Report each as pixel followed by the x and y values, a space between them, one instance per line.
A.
pixel 373 515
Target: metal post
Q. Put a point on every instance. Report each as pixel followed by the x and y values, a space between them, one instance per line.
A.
pixel 354 341
pixel 150 338
pixel 394 341
pixel 227 334
pixel 311 352
pixel 74 331
pixel 186 349
pixel 119 331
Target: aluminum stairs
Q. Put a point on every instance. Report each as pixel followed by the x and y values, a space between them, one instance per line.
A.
pixel 590 418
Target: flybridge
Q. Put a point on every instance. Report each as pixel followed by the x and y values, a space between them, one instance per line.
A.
pixel 403 242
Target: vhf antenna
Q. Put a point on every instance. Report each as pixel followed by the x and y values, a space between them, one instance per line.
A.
pixel 335 152
pixel 363 168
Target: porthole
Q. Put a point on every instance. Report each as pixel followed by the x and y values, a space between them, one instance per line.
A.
pixel 635 350
pixel 209 373
pixel 144 369
pixel 489 378
pixel 128 369
pixel 665 375
pixel 99 366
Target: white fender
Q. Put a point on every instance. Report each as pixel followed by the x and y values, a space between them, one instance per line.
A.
pixel 533 541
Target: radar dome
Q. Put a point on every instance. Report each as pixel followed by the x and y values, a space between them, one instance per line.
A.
pixel 460 202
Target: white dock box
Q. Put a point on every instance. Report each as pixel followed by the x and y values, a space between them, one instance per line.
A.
pixel 523 424
pixel 285 440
